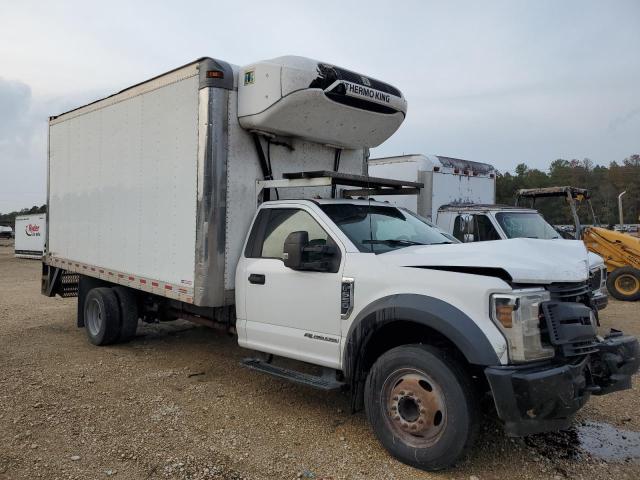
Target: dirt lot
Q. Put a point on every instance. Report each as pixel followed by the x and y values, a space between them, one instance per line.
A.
pixel 174 403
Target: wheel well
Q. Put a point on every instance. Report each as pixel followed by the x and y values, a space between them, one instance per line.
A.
pixel 401 332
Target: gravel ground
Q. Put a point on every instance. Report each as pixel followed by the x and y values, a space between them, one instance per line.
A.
pixel 174 403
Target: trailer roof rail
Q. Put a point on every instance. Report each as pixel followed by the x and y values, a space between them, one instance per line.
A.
pixel 327 178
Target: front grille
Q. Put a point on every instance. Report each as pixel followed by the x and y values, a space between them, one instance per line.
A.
pixel 579 292
pixel 328 74
pixel 566 325
pixel 595 277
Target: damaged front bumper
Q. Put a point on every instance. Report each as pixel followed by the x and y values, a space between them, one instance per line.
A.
pixel 534 399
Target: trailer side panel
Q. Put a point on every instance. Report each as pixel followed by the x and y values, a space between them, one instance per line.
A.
pixel 123 182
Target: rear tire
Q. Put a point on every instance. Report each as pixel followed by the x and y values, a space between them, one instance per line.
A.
pixel 421 406
pixel 102 316
pixel 128 303
pixel 624 284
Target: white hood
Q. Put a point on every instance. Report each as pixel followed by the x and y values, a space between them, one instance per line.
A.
pixel 526 260
pixel 595 260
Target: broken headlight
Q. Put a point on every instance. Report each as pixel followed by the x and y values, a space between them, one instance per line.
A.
pixel 517 315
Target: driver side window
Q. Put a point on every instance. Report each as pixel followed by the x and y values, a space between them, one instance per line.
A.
pixel 282 222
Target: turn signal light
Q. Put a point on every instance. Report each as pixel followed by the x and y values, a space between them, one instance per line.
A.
pixel 504 314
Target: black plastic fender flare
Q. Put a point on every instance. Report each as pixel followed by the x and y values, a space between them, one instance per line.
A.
pixel 432 312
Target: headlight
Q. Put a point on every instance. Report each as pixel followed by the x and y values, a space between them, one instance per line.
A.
pixel 517 316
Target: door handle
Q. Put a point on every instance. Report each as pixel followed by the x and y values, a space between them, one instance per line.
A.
pixel 256 278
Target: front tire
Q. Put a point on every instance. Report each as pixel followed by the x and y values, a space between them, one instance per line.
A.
pixel 624 284
pixel 101 316
pixel 421 406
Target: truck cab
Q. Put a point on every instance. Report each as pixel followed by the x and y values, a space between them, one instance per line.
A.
pixel 478 223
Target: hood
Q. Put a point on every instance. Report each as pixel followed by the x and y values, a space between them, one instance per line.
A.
pixel 526 260
pixel 595 260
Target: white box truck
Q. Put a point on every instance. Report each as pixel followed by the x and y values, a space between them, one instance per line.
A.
pixel 446 180
pixel 30 232
pixel 224 195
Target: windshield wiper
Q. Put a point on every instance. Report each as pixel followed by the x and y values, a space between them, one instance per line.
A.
pixel 393 242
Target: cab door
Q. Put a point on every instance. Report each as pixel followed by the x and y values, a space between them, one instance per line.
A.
pixel 292 313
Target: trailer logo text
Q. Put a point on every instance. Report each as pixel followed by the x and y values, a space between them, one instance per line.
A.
pixel 32 230
pixel 371 93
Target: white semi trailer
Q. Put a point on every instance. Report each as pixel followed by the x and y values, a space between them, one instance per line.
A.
pixel 30 232
pixel 225 196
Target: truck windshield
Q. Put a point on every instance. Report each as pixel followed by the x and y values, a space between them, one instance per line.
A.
pixel 379 229
pixel 525 225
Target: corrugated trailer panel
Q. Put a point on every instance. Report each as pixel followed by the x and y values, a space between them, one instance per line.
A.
pixel 123 181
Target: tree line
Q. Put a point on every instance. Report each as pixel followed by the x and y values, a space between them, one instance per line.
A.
pixel 604 183
pixel 9 219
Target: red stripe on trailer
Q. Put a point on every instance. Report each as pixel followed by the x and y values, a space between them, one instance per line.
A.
pixel 100 270
pixel 168 287
pixel 154 284
pixel 143 281
pixel 131 278
pixel 120 275
pixel 110 273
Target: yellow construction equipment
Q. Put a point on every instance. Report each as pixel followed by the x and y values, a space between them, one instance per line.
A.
pixel 620 252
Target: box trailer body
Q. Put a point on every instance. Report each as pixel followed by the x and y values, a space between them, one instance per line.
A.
pixel 154 187
pixel 446 181
pixel 30 234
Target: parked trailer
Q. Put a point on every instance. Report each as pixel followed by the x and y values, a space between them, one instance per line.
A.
pixel 30 234
pixel 447 181
pixel 225 196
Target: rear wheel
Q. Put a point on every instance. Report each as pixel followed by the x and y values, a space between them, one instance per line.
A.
pixel 624 283
pixel 128 303
pixel 421 405
pixel 102 316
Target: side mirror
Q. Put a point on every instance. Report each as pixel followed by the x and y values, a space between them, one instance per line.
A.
pixel 294 248
pixel 297 254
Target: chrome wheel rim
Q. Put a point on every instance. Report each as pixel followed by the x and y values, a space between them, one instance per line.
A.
pixel 415 407
pixel 93 317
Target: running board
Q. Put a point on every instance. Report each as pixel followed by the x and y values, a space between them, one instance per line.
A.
pixel 325 382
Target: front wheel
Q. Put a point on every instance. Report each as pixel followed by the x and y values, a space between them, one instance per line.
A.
pixel 421 406
pixel 624 284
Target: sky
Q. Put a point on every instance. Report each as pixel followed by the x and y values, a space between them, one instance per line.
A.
pixel 503 82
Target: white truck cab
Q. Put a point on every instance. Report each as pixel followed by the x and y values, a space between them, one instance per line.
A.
pixel 238 197
pixel 478 223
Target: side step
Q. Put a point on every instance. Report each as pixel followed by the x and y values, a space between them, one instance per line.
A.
pixel 325 382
